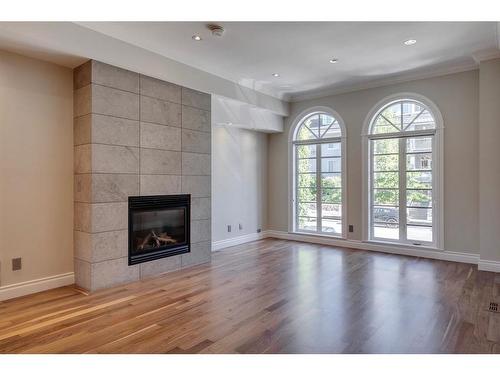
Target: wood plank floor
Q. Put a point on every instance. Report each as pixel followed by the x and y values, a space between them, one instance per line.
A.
pixel 270 296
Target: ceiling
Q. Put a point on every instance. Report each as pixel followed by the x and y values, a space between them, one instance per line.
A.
pixel 369 52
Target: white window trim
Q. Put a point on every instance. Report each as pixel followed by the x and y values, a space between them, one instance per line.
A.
pixel 437 169
pixel 292 166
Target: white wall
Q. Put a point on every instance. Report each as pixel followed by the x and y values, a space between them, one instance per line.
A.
pixel 242 115
pixel 239 181
pixel 456 96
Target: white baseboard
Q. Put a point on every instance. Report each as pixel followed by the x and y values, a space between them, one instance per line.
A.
pixel 488 265
pixel 392 249
pixel 34 286
pixel 222 244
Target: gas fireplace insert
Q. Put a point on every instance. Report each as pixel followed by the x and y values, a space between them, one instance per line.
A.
pixel 158 227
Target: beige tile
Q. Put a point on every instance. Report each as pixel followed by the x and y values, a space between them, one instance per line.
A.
pixel 160 89
pixel 196 164
pixel 114 187
pixel 114 159
pixel 197 186
pixel 194 141
pixel 200 253
pixel 83 274
pixel 83 188
pixel 113 272
pixel 82 103
pixel 200 230
pixel 97 247
pixel 82 130
pixel 115 131
pixel 109 216
pixel 82 75
pixel 196 119
pixel 200 208
pixel 160 184
pixel 112 76
pixel 113 102
pixel 160 161
pixel 160 112
pixel 83 159
pixel 160 137
pixel 196 99
pixel 82 217
pixel 109 245
pixel 157 267
pixel 82 243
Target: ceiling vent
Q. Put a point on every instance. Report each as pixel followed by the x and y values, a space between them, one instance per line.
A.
pixel 217 30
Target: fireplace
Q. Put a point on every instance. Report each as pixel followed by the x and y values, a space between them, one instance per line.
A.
pixel 158 227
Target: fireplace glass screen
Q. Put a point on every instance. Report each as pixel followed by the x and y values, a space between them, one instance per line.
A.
pixel 158 227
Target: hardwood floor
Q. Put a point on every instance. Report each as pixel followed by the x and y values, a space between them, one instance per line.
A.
pixel 270 296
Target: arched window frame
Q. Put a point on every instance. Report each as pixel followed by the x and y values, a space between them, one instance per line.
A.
pixel 292 188
pixel 437 171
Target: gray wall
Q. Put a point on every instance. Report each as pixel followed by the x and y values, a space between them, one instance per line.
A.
pixel 456 96
pixel 239 181
pixel 489 157
pixel 135 135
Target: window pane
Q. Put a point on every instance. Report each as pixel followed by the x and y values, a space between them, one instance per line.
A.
pixel 416 233
pixel 386 222
pixel 307 209
pixel 419 144
pixel 422 216
pixel 411 111
pixel 307 223
pixel 330 180
pixel 419 161
pixel 304 133
pixel 331 165
pixel 331 211
pixel 306 194
pixel 306 180
pixel 312 123
pixel 419 180
pixel 419 198
pixel 306 151
pixel 393 115
pixel 334 131
pixel 307 165
pixel 389 233
pixel 386 197
pixel 325 122
pixel 382 126
pixel 386 216
pixel 385 179
pixel 385 146
pixel 331 226
pixel 331 149
pixel 329 195
pixel 385 162
pixel 422 122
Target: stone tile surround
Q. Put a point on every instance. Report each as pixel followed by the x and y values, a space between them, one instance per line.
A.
pixel 135 135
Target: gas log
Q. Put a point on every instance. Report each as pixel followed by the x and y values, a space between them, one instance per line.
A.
pixel 153 240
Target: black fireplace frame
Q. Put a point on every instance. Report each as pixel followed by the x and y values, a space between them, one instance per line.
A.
pixel 148 202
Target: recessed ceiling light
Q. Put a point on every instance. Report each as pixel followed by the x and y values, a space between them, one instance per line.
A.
pixel 276 75
pixel 334 61
pixel 196 37
pixel 410 42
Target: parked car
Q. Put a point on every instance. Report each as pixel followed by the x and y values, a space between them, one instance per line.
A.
pixel 386 215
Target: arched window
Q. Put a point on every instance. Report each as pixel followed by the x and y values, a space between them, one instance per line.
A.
pixel 404 172
pixel 318 167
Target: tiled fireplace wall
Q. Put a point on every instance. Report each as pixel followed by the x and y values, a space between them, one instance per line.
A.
pixel 135 135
